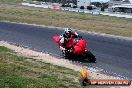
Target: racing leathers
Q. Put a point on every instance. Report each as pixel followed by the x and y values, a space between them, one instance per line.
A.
pixel 64 39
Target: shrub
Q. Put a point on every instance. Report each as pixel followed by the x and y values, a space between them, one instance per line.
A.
pixel 63 5
pixel 89 7
pixel 74 6
pixel 82 7
pixel 102 9
pixel 66 5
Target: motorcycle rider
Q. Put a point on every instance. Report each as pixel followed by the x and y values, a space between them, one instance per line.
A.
pixel 65 37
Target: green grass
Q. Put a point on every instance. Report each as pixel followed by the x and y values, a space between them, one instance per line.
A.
pixel 22 72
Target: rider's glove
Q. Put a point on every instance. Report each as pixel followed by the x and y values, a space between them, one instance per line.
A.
pixel 62 48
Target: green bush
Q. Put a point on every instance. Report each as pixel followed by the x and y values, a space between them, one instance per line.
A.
pixel 82 7
pixel 89 7
pixel 74 6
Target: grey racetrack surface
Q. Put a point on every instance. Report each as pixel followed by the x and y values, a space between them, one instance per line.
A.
pixel 114 56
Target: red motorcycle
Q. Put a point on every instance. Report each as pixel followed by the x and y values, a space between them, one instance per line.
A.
pixel 76 47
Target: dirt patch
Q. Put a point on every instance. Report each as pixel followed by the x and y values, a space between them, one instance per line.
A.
pixel 55 61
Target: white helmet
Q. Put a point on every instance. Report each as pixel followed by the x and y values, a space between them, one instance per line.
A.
pixel 68 32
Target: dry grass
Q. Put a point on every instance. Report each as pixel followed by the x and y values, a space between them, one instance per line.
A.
pixel 104 24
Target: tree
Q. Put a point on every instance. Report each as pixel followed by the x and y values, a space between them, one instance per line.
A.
pixel 97 4
pixel 74 2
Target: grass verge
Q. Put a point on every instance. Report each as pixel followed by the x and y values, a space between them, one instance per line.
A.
pixel 22 72
pixel 94 23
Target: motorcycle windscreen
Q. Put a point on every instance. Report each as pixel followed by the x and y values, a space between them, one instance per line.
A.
pixel 56 39
pixel 80 47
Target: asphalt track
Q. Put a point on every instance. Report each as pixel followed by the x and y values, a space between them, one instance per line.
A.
pixel 114 56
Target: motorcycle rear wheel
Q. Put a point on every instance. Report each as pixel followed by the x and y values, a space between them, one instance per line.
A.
pixel 90 57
